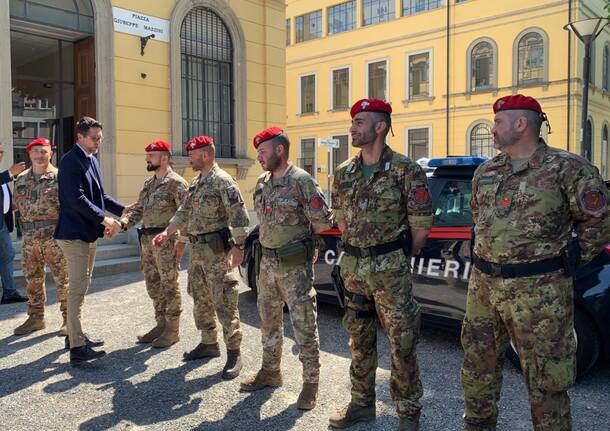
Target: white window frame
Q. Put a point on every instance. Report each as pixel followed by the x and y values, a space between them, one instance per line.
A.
pixel 387 81
pixel 430 138
pixel 605 163
pixel 469 133
pixel 349 141
pixel 430 52
pixel 331 96
pixel 494 47
pixel 545 40
pixel 315 152
pixel 315 103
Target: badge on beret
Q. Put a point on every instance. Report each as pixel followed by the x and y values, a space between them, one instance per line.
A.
pixel 316 203
pixel 593 199
pixel 505 202
pixel 421 195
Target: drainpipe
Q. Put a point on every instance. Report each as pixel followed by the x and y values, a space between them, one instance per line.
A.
pixel 569 118
pixel 447 83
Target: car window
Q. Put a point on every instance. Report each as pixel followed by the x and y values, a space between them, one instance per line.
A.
pixel 451 207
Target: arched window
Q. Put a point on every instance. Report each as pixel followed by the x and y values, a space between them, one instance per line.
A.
pixel 482 66
pixel 207 80
pixel 74 15
pixel 481 141
pixel 605 69
pixel 531 58
pixel 605 164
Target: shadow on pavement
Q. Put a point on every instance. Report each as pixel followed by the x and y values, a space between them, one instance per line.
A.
pixel 246 414
pixel 13 343
pixel 165 397
pixel 115 367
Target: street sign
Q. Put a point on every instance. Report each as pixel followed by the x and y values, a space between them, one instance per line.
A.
pixel 330 143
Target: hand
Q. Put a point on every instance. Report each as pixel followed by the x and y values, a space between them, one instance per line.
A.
pixel 128 208
pixel 112 228
pixel 179 250
pixel 160 239
pixel 316 254
pixel 17 168
pixel 235 257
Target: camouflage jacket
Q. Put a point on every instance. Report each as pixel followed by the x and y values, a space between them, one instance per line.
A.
pixel 37 199
pixel 158 201
pixel 529 214
pixel 288 207
pixel 394 199
pixel 213 202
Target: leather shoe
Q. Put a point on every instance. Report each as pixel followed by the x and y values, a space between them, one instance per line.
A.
pixel 81 354
pixel 11 298
pixel 89 342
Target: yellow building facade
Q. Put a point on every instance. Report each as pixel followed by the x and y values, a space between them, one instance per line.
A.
pixel 163 69
pixel 441 64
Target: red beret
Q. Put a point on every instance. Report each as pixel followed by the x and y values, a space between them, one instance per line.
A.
pixel 371 105
pixel 36 142
pixel 265 135
pixel 517 101
pixel 199 142
pixel 158 146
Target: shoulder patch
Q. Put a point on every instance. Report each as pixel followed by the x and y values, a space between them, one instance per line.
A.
pixel 316 203
pixel 420 194
pixel 593 199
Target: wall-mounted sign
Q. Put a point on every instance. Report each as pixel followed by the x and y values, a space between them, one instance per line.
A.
pixel 127 21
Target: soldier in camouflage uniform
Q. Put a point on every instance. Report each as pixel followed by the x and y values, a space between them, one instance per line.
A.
pixel 291 208
pixel 158 201
pixel 36 199
pixel 214 216
pixel 526 203
pixel 383 209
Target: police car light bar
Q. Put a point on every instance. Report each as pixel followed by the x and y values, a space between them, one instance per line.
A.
pixel 456 161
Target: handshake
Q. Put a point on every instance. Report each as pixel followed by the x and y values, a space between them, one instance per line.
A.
pixel 112 227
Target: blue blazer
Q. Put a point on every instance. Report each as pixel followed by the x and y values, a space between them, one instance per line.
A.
pixel 5 177
pixel 82 200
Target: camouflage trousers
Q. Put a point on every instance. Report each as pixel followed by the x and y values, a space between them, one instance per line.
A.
pixel 160 271
pixel 277 285
pixel 383 283
pixel 537 314
pixel 214 289
pixel 40 248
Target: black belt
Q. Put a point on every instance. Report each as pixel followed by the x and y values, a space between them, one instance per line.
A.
pixel 373 251
pixel 514 270
pixel 150 230
pixel 204 238
pixel 270 252
pixel 31 225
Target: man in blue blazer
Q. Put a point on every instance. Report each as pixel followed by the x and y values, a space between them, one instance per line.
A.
pixel 7 252
pixel 82 220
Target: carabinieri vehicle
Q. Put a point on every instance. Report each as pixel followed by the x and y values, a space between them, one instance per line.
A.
pixel 442 268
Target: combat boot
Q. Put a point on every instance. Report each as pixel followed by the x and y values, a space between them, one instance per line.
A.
pixel 33 323
pixel 308 396
pixel 261 380
pixel 170 335
pixel 155 332
pixel 233 366
pixel 350 414
pixel 202 351
pixel 409 423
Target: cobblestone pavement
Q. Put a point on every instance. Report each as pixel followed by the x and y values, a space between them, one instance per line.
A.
pixel 136 387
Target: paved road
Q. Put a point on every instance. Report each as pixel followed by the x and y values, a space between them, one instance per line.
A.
pixel 136 387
